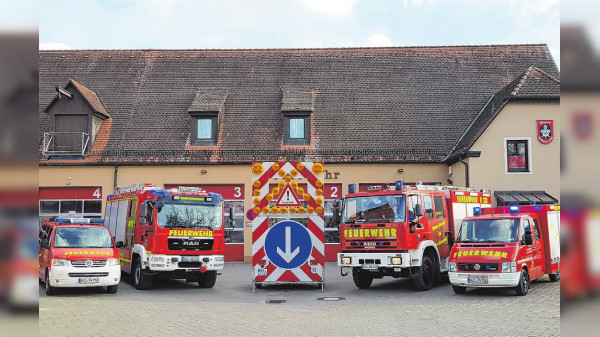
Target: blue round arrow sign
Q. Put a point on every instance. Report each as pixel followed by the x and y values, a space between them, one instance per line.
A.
pixel 288 244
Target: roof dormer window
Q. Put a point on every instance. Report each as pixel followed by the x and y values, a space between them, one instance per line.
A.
pixel 297 108
pixel 205 111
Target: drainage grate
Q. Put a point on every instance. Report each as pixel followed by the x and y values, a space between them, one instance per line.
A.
pixel 275 301
pixel 331 298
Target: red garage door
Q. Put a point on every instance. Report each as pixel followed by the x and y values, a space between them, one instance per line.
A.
pixel 77 201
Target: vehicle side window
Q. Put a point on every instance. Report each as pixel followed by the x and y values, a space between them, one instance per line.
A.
pixel 149 213
pixel 46 235
pixel 439 207
pixel 413 201
pixel 536 229
pixel 428 207
pixel 526 227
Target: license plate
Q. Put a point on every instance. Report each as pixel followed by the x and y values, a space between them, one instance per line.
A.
pixel 477 279
pixel 190 259
pixel 89 280
pixel 370 266
pixel 261 272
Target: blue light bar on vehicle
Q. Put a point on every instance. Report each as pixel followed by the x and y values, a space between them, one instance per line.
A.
pixel 351 188
pixel 78 220
pixel 399 185
pixel 532 202
pixel 514 209
pixel 476 210
pixel 159 192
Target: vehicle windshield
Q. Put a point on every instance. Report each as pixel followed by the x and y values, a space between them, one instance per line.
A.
pixel 376 208
pixel 73 237
pixel 489 230
pixel 191 215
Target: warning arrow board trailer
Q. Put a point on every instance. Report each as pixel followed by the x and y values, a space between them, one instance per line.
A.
pixel 288 235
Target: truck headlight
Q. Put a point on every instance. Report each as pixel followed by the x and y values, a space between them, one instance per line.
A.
pixel 346 260
pixel 59 262
pixel 396 260
pixel 453 266
pixel 509 267
pixel 112 262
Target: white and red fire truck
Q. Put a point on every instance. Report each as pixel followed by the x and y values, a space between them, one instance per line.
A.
pixel 176 233
pixel 402 231
pixel 506 247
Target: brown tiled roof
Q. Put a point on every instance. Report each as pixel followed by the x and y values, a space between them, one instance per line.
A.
pixel 372 104
pixel 534 83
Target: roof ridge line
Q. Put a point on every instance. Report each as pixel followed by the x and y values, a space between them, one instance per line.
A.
pixel 523 78
pixel 297 48
pixel 547 75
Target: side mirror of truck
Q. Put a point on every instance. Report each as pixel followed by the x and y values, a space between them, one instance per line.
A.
pixel 159 205
pixel 120 244
pixel 143 209
pixel 143 221
pixel 419 211
pixel 528 238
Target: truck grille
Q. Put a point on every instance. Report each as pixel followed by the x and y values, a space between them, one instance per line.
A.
pixel 190 244
pixel 88 274
pixel 189 264
pixel 369 261
pixel 483 267
pixel 95 263
pixel 371 244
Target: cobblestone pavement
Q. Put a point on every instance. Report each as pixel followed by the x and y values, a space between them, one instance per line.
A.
pixel 389 307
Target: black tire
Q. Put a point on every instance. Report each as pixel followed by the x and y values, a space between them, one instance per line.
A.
pixel 554 277
pixel 426 274
pixel 50 290
pixel 361 278
pixel 258 285
pixel 207 279
pixel 141 281
pixel 524 283
pixel 459 290
pixel 112 289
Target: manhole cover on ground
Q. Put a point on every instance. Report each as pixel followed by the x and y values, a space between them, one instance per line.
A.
pixel 275 301
pixel 331 298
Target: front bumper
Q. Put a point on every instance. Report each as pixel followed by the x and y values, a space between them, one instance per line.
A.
pixel 167 263
pixel 495 280
pixel 381 260
pixel 69 276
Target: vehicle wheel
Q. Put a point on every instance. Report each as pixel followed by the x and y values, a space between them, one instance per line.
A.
pixel 207 279
pixel 258 285
pixel 523 287
pixel 361 278
pixel 50 290
pixel 554 277
pixel 112 289
pixel 459 290
pixel 426 275
pixel 141 281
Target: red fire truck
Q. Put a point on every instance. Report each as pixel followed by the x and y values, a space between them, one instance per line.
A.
pixel 506 247
pixel 401 232
pixel 175 233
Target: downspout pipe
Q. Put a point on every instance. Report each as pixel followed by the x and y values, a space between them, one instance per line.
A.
pixel 115 178
pixel 466 170
pixel 464 155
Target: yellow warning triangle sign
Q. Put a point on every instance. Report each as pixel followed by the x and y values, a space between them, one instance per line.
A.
pixel 288 198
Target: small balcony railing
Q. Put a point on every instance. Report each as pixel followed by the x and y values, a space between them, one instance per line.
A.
pixel 65 143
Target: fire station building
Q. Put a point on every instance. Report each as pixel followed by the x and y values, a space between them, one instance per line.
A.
pixel 477 116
